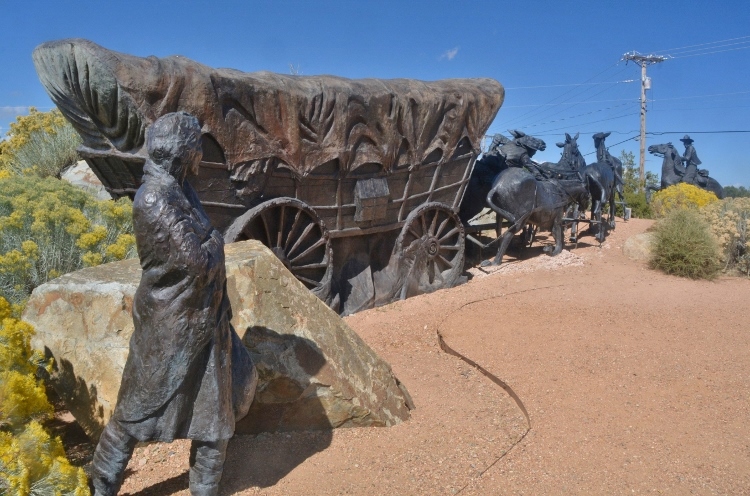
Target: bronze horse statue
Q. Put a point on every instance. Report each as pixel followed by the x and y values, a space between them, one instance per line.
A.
pixel 493 162
pixel 603 179
pixel 520 198
pixel 672 171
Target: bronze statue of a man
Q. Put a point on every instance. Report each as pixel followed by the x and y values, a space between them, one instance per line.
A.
pixel 691 161
pixel 187 376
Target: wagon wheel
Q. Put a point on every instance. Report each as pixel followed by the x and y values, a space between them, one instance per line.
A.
pixel 431 249
pixel 295 234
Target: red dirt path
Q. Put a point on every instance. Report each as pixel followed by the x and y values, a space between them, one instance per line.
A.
pixel 635 382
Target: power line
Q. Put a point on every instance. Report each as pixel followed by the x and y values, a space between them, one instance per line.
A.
pixel 576 116
pixel 615 144
pixel 675 54
pixel 700 96
pixel 572 84
pixel 578 103
pixel 570 103
pixel 709 53
pixel 628 114
pixel 701 44
pixel 659 133
pixel 531 112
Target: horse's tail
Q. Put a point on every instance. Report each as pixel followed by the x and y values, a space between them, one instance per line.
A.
pixel 596 190
pixel 501 212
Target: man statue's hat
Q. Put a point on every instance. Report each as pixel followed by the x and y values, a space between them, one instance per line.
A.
pixel 686 138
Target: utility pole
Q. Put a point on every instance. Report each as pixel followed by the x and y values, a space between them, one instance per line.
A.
pixel 643 61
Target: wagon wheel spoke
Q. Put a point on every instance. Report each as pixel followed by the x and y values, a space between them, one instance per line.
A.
pixel 449 234
pixel 280 234
pixel 295 223
pixel 321 265
pixel 309 250
pixel 302 237
pixel 307 280
pixel 431 271
pixel 269 239
pixel 413 233
pixel 445 262
pixel 442 226
pixel 450 247
pixel 431 231
pixel 424 224
pixel 440 272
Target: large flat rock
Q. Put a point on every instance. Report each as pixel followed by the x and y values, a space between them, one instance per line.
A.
pixel 315 372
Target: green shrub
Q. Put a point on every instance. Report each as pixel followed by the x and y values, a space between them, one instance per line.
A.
pixel 41 143
pixel 635 197
pixel 49 227
pixel 639 207
pixel 31 461
pixel 680 196
pixel 728 219
pixel 684 246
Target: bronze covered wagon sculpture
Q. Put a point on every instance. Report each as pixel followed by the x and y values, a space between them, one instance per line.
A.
pixel 354 184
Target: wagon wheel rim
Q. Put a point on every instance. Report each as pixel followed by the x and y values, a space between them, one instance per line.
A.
pixel 296 235
pixel 434 235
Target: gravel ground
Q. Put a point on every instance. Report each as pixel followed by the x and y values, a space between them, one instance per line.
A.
pixel 635 382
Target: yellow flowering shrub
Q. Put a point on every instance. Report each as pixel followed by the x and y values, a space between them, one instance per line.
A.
pixel 41 143
pixel 728 219
pixel 31 461
pixel 680 196
pixel 49 227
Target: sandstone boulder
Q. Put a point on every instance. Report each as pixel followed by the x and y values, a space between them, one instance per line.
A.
pixel 315 372
pixel 81 176
pixel 639 247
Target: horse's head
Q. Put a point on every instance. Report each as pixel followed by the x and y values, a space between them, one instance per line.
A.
pixel 661 150
pixel 529 142
pixel 571 155
pixel 599 138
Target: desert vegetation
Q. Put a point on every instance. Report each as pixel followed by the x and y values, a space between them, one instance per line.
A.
pixel 40 144
pixel 684 246
pixel 728 219
pixel 635 196
pixel 689 217
pixel 47 228
pixel 31 461
pixel 678 197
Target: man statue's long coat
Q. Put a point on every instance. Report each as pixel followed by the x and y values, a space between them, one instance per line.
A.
pixel 187 374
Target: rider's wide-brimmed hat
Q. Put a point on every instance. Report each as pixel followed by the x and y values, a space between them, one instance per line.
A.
pixel 686 139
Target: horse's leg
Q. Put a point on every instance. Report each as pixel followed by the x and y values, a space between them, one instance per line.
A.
pixel 529 233
pixel 507 237
pixel 600 234
pixel 557 234
pixel 612 211
pixel 574 225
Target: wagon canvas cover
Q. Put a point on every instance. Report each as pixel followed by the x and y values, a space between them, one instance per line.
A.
pixel 261 119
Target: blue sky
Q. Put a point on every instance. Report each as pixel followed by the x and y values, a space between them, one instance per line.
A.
pixel 539 51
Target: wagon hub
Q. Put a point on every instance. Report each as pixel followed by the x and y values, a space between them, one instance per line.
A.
pixel 433 246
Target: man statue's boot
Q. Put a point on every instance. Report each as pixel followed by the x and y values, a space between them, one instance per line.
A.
pixel 110 459
pixel 206 467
